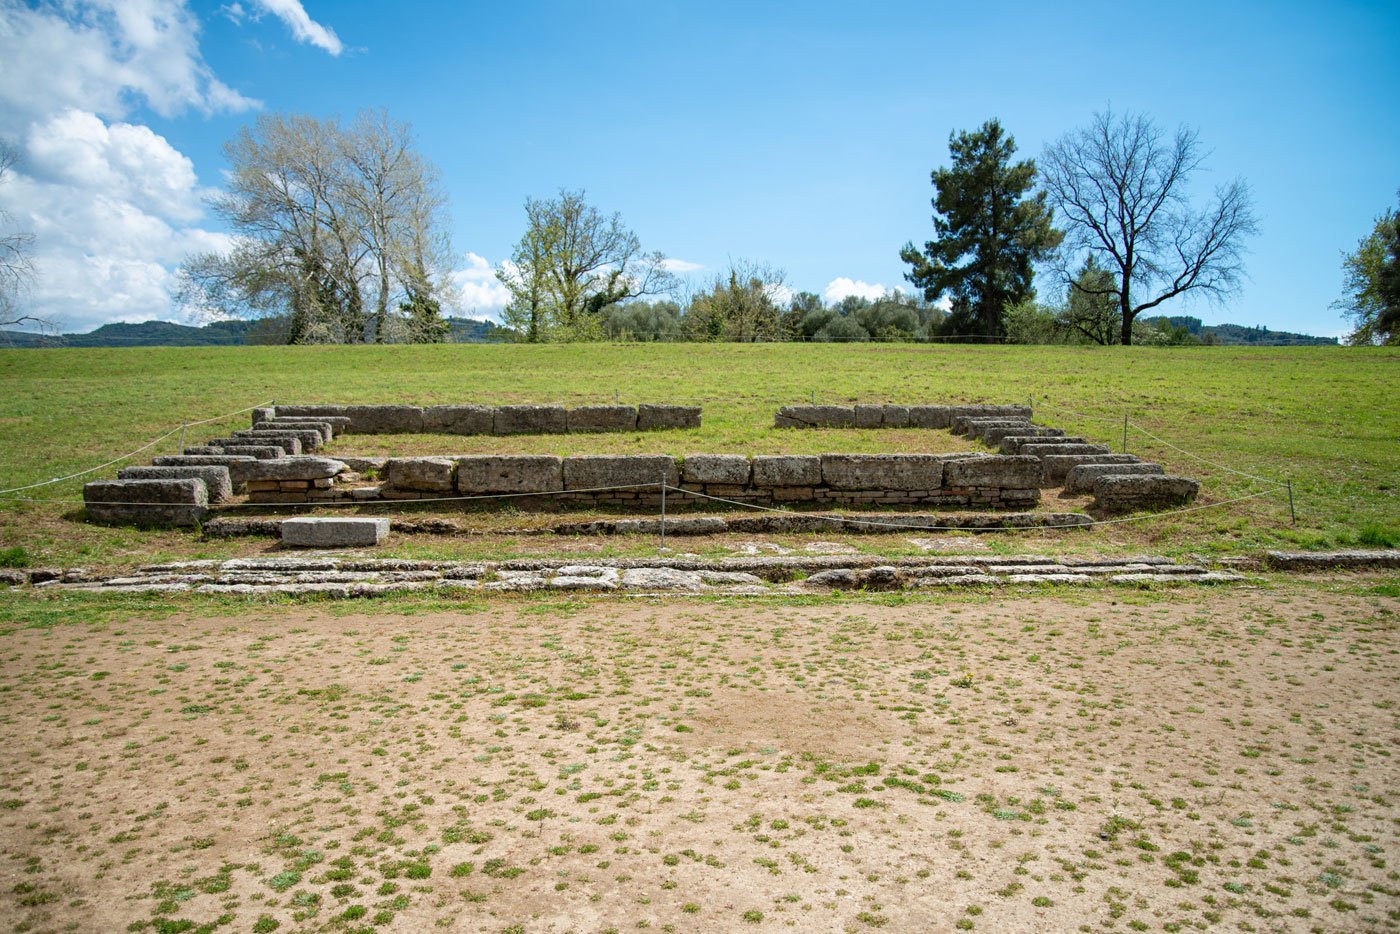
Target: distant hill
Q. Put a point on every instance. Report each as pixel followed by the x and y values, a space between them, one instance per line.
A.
pixel 215 334
pixel 1238 334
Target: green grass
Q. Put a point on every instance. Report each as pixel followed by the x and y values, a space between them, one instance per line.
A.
pixel 1323 417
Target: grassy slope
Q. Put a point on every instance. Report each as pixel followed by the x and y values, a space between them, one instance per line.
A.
pixel 1326 417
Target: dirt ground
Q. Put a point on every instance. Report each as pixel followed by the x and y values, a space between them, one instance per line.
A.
pixel 1101 761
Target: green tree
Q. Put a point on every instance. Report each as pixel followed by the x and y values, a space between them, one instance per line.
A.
pixel 739 304
pixel 989 234
pixel 1090 310
pixel 1372 300
pixel 572 263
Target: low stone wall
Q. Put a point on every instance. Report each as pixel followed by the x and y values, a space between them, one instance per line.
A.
pixel 889 416
pixel 995 481
pixel 478 419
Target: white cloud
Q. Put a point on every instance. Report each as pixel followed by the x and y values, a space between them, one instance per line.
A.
pixel 679 265
pixel 779 294
pixel 842 287
pixel 303 27
pixel 480 293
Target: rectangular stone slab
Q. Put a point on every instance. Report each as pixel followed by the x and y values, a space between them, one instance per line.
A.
pixel 459 419
pixel 594 418
pixel 882 471
pixel 1055 466
pixel 592 471
pixel 999 471
pixel 334 531
pixel 288 444
pixel 731 469
pixel 327 431
pixel 217 482
pixel 1080 479
pixel 485 474
pixel 424 474
pixel 182 502
pixel 530 420
pixel 310 438
pixel 658 417
pixel 773 470
pixel 1122 493
pixel 237 464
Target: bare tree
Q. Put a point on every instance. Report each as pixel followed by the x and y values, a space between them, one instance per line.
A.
pixel 573 263
pixel 16 267
pixel 744 303
pixel 337 228
pixel 1121 188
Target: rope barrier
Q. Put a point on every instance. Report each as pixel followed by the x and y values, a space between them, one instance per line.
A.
pixel 118 460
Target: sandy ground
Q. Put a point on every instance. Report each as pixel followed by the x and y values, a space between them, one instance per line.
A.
pixel 1107 761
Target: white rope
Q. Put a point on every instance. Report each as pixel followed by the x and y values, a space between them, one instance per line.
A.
pixel 1197 456
pixel 129 455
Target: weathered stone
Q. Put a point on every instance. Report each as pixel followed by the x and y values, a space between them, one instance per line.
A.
pixel 882 471
pixel 656 579
pixel 459 419
pixel 310 438
pixel 238 464
pixel 324 429
pixel 594 471
pixel 1011 444
pixel 958 580
pixel 869 416
pixel 716 468
pixel 487 474
pixel 728 578
pixel 658 417
pixel 381 419
pixel 983 410
pixel 426 474
pixel 962 424
pixel 217 482
pixel 339 423
pixel 895 416
pixel 263 414
pixel 262 452
pixel 1056 466
pixel 1043 447
pixel 334 532
pixel 1080 478
pixel 530 420
pixel 285 443
pixel 293 468
pixel 182 502
pixel 363 465
pixel 815 416
pixel 929 416
pixel 993 470
pixel 836 579
pixel 992 435
pixel 1319 561
pixel 595 418
pixel 779 470
pixel 1120 493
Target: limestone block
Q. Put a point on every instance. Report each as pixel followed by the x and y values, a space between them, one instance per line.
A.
pixel 593 418
pixel 929 416
pixel 986 411
pixel 731 469
pixel 1056 466
pixel 459 419
pixel 657 417
pixel 182 502
pixel 325 429
pixel 591 471
pixel 363 464
pixel 530 420
pixel 218 484
pixel 263 414
pixel 1041 448
pixel 426 474
pixel 510 473
pixel 310 438
pixel 993 435
pixel 882 471
pixel 334 532
pixel 339 423
pixel 815 416
pixel 238 464
pixel 293 468
pixel 776 470
pixel 1080 479
pixel 869 416
pixel 1121 493
pixel 286 443
pixel 895 416
pixel 1011 444
pixel 262 452
pixel 994 470
pixel 960 424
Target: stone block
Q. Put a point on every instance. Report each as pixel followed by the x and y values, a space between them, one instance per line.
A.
pixel 962 424
pixel 324 429
pixel 929 416
pixel 658 417
pixel 218 484
pixel 238 464
pixel 776 470
pixel 176 502
pixel 488 474
pixel 895 416
pixel 1123 493
pixel 882 471
pixel 1042 448
pixel 815 416
pixel 310 438
pixel 984 410
pixel 869 416
pixel 286 443
pixel 591 471
pixel 363 464
pixel 728 469
pixel 1011 444
pixel 993 435
pixel 1056 466
pixel 334 532
pixel 384 419
pixel 339 423
pixel 594 418
pixel 262 452
pixel 530 420
pixel 994 470
pixel 1080 478
pixel 263 414
pixel 425 474
pixel 293 468
pixel 459 419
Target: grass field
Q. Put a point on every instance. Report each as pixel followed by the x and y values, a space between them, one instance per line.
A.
pixel 1326 418
pixel 1097 762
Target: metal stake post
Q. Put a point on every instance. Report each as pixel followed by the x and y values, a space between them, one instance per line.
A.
pixel 1125 431
pixel 182 435
pixel 663 512
pixel 1292 516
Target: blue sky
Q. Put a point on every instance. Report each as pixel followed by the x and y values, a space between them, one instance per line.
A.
pixel 798 135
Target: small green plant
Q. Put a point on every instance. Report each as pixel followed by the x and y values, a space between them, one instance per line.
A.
pixel 14 557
